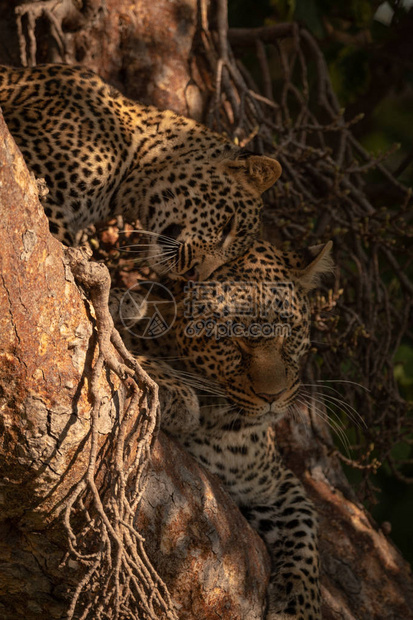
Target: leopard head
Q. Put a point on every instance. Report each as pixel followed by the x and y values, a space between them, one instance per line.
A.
pixel 205 211
pixel 248 329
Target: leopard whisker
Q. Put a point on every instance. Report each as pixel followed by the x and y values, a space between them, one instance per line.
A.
pixel 159 358
pixel 221 408
pixel 213 396
pixel 348 409
pixel 153 234
pixel 163 261
pixel 335 426
pixel 146 247
pixel 173 265
pixel 197 377
pixel 363 387
pixel 146 258
pixel 329 406
pixel 197 382
pixel 203 388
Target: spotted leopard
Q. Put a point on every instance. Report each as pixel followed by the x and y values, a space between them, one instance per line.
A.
pixel 254 379
pixel 101 154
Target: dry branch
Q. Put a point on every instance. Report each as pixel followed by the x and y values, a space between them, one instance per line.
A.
pixel 119 575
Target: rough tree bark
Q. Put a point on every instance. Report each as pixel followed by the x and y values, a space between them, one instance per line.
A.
pixel 143 48
pixel 192 530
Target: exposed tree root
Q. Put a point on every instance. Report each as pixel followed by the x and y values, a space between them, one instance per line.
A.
pixel 119 580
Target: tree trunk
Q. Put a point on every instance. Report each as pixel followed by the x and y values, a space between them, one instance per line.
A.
pixel 143 48
pixel 48 348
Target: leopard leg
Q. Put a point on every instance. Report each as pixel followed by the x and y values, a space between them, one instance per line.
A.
pixel 59 221
pixel 289 528
pixel 57 224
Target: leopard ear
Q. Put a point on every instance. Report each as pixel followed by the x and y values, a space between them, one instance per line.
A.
pixel 316 262
pixel 257 171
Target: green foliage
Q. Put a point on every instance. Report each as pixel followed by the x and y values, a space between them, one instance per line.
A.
pixel 309 13
pixel 349 72
pixel 403 370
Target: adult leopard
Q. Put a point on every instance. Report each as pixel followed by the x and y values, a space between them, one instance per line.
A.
pixel 102 154
pixel 253 374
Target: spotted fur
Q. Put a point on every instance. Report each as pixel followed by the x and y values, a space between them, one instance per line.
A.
pixel 102 154
pixel 255 382
pixel 126 307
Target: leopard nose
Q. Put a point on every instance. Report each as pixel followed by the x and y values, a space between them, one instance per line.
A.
pixel 271 397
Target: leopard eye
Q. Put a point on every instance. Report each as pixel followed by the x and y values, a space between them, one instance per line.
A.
pixel 228 227
pixel 170 233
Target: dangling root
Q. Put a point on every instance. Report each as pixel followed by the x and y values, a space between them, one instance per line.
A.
pixel 119 580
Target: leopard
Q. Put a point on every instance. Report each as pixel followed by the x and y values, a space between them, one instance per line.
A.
pixel 196 194
pixel 241 338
